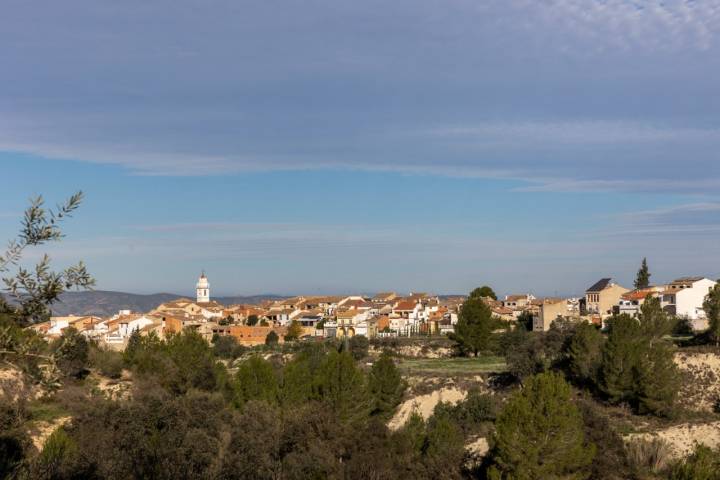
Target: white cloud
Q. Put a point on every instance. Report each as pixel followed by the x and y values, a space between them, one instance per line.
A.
pixel 582 132
pixel 629 24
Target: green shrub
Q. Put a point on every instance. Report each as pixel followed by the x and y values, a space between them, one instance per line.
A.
pixel 109 363
pixel 702 464
pixel 359 346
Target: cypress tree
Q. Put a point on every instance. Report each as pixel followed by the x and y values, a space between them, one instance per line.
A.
pixel 642 280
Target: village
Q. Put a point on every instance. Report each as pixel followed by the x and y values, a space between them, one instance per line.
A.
pixel 386 314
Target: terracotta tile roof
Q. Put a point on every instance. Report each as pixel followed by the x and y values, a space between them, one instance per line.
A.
pixel 405 306
pixel 638 294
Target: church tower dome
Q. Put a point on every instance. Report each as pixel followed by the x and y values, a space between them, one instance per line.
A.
pixel 203 289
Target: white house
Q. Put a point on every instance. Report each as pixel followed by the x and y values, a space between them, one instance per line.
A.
pixel 684 297
pixel 631 302
pixel 120 329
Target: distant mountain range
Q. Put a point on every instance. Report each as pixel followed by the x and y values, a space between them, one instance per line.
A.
pixel 104 303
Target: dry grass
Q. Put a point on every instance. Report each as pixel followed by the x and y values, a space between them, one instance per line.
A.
pixel 653 455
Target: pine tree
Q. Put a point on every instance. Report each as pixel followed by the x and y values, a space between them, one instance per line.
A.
pixel 483 292
pixel 473 332
pixel 711 306
pixel 620 356
pixel 584 353
pixel 642 280
pixel 654 321
pixel 539 433
pixel 637 366
pixel 444 447
pixel 386 386
pixel 343 388
pixel 657 381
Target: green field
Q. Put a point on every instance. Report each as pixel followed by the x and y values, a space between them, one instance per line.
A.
pixel 45 411
pixel 451 366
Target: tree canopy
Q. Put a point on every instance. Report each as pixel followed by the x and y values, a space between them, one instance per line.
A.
pixel 642 279
pixel 539 433
pixel 473 331
pixel 484 291
pixel 711 306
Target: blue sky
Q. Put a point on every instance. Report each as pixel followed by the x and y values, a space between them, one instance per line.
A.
pixel 336 146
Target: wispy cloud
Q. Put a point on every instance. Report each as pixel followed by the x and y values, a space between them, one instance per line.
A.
pixel 631 24
pixel 581 132
pixel 563 95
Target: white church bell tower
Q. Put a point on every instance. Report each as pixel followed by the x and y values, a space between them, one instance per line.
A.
pixel 203 289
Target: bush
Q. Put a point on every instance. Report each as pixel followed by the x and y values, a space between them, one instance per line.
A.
pixel 683 326
pixel 14 441
pixel 359 346
pixel 294 331
pixel 71 353
pixel 477 410
pixel 703 464
pixel 256 380
pixel 271 339
pixel 56 460
pixel 227 346
pixel 612 462
pixel 107 362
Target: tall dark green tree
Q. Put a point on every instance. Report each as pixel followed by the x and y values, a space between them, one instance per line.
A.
pixel 711 306
pixel 620 356
pixel 657 381
pixel 386 386
pixel 637 366
pixel 584 353
pixel 642 279
pixel 540 433
pixel 484 291
pixel 473 331
pixel 342 386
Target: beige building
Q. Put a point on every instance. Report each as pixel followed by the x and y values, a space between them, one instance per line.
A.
pixel 549 310
pixel 601 297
